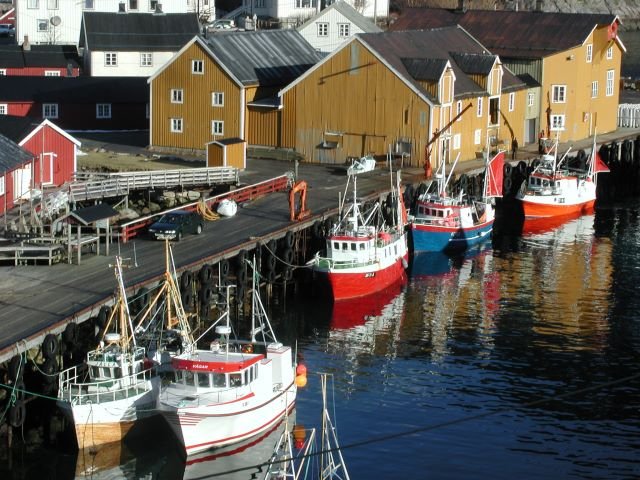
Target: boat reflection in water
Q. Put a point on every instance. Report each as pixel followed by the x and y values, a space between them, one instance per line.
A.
pixel 542 225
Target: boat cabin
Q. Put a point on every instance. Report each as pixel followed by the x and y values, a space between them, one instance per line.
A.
pixel 362 247
pixel 110 362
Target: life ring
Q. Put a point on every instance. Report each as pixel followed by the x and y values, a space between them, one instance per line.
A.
pixel 16 368
pixel 103 316
pixel 224 268
pixel 70 334
pixel 205 275
pixel 185 280
pixel 50 345
pixel 287 256
pixel 206 294
pixel 288 239
pixel 187 301
pixel 17 414
pixel 271 276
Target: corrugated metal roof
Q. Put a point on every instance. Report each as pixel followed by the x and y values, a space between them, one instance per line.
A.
pixel 11 155
pixel 349 13
pixel 60 56
pixel 267 57
pixel 74 90
pixel 137 31
pixel 510 33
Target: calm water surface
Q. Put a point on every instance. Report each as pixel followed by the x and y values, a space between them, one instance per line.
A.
pixel 517 361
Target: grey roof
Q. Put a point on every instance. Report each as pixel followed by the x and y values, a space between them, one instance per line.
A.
pixel 266 57
pixel 350 13
pixel 12 155
pixel 430 69
pixel 60 56
pixel 137 31
pixel 474 63
pixel 93 213
pixel 16 128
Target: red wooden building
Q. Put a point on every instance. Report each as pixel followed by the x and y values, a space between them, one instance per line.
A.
pixel 16 167
pixel 40 60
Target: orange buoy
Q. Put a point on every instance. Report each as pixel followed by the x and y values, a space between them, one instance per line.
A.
pixel 301 369
pixel 301 381
pixel 299 432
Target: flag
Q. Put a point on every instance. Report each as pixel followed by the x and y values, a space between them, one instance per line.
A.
pixel 600 166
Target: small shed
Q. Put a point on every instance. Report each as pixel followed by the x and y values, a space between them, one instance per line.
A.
pixel 227 152
pixel 97 217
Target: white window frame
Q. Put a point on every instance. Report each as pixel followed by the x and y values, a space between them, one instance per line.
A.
pixel 217 99
pixel 344 30
pixel 4 109
pixel 558 94
pixel 457 141
pixel 530 99
pixel 146 59
pixel 479 107
pixel 217 127
pixel 589 53
pixel 43 25
pixel 594 89
pixel 52 73
pixel 557 122
pixel 177 95
pixel 610 79
pixel 110 59
pixel 512 101
pixel 50 110
pixel 610 53
pixel 197 67
pixel 323 29
pixel 33 4
pixel 459 110
pixel 2 189
pixel 103 110
pixel 175 125
pixel 477 136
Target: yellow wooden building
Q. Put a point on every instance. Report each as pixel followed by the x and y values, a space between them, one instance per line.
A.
pixel 418 94
pixel 225 87
pixel 575 58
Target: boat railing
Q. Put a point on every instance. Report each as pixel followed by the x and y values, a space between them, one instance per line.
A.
pixel 437 221
pixel 73 390
pixel 325 262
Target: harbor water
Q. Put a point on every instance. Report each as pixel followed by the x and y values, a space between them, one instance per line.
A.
pixel 517 360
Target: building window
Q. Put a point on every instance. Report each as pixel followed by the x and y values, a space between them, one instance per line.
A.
pixel 323 29
pixel 4 109
pixel 52 4
pixel 557 122
pixel 32 4
pixel 610 53
pixel 594 89
pixel 343 29
pixel 477 137
pixel 50 110
pixel 110 59
pixel 610 74
pixel 152 5
pixel 494 109
pixel 146 59
pixel 306 3
pixel 530 99
pixel 176 95
pixel 479 109
pixel 197 66
pixel 217 99
pixel 88 4
pixel 103 110
pixel 43 25
pixel 217 127
pixel 456 141
pixel 52 73
pixel 589 53
pixel 512 101
pixel 133 4
pixel 559 93
pixel 176 125
pixel 459 109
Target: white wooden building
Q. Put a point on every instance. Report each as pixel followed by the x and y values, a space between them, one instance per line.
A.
pixel 58 21
pixel 327 30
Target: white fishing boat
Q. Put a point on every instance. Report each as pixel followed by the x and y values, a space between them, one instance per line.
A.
pixel 235 389
pixel 115 387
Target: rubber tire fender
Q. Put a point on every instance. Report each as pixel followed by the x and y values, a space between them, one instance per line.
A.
pixel 49 368
pixel 16 368
pixel 289 239
pixel 70 334
pixel 103 316
pixel 287 256
pixel 205 275
pixel 50 346
pixel 17 414
pixel 224 268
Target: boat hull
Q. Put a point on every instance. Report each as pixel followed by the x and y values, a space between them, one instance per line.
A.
pixel 441 238
pixel 210 426
pixel 537 209
pixel 102 423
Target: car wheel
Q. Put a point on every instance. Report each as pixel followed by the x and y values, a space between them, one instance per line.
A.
pixel 198 229
pixel 179 236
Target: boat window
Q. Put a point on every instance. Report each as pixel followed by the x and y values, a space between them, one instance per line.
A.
pixel 353 247
pixel 345 246
pixel 246 377
pixel 95 372
pixel 395 249
pixel 557 184
pixel 362 245
pixel 336 245
pixel 203 380
pixel 255 367
pixel 219 380
pixel 545 183
pixel 235 379
pixel 178 377
pixel 440 213
pixel 117 372
pixel 189 379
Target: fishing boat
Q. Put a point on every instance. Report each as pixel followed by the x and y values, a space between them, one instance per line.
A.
pixel 115 387
pixel 552 189
pixel 366 251
pixel 235 389
pixel 442 223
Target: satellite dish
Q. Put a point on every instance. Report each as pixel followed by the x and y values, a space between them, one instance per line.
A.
pixel 55 21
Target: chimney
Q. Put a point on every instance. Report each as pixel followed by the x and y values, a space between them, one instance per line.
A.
pixel 122 8
pixel 26 46
pixel 158 9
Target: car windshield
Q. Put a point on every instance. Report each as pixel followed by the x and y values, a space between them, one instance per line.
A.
pixel 170 218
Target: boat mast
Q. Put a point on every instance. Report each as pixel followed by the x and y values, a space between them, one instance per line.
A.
pixel 126 327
